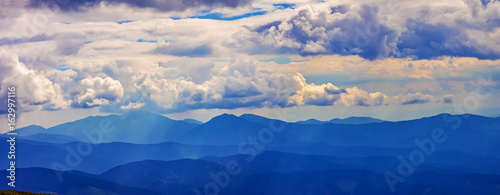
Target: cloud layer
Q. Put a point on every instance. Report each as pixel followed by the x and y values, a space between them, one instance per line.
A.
pixel 170 5
pixel 169 56
pixel 236 84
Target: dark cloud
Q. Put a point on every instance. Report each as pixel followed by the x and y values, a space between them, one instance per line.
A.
pixel 415 101
pixel 238 91
pixel 425 41
pixel 365 31
pixel 183 50
pixel 358 33
pixel 162 5
pixel 448 99
pixel 37 38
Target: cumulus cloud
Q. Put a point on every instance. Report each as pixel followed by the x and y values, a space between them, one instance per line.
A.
pixel 94 91
pixel 241 84
pixel 133 105
pixel 34 90
pixel 236 84
pixel 357 97
pixel 377 30
pixel 341 30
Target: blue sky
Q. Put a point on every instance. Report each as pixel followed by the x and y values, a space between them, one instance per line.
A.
pixel 394 60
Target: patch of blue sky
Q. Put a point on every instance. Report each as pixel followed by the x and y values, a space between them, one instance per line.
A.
pixel 336 79
pixel 62 67
pixel 146 41
pixel 220 16
pixel 284 5
pixel 282 60
pixel 88 42
pixel 348 80
pixel 124 21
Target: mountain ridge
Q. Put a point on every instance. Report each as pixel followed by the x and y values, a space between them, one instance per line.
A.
pixel 33 129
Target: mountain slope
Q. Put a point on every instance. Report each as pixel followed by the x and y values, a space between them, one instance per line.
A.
pixel 228 129
pixel 350 120
pixel 46 181
pixel 132 127
pixel 161 176
pixel 442 161
pixel 355 120
pixel 97 158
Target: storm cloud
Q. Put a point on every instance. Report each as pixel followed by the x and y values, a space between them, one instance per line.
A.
pixel 402 29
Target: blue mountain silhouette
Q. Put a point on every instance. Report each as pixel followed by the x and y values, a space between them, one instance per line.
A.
pixel 148 153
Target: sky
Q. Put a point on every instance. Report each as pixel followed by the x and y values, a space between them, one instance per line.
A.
pixel 285 59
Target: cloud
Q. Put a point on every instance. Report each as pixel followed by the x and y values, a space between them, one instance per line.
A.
pixel 169 87
pixel 166 5
pixel 36 38
pixel 240 84
pixel 357 97
pixel 94 91
pixel 366 53
pixel 183 50
pixel 133 105
pixel 346 30
pixel 360 69
pixel 377 30
pixel 413 98
pixel 34 91
pixel 69 44
pixel 448 99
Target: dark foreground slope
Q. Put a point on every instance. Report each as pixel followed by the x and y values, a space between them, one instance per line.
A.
pixel 270 173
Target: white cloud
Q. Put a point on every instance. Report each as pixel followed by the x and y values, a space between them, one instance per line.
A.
pixel 389 68
pixel 357 97
pixel 241 84
pixel 93 91
pixel 133 105
pixel 34 90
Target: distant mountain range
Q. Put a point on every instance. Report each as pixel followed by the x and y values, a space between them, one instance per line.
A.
pixel 133 127
pixel 349 120
pixel 145 153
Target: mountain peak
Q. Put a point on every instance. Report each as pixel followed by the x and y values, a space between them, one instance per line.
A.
pixel 224 117
pixel 192 121
pixel 227 115
pixel 252 117
pixel 30 130
pixel 35 127
pixel 355 120
pixel 311 121
pixel 142 113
